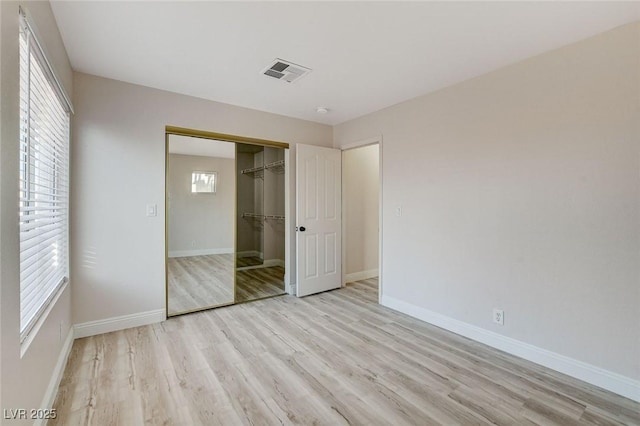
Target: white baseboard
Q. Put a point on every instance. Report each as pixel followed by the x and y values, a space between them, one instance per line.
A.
pixel 273 262
pixel 200 252
pixel 56 376
pixel 265 264
pixel 93 328
pixel 290 289
pixel 362 275
pixel 597 376
pixel 250 253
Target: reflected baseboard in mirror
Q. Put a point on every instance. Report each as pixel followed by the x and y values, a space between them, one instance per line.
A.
pixel 197 282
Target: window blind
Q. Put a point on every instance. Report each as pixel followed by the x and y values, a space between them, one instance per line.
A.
pixel 44 182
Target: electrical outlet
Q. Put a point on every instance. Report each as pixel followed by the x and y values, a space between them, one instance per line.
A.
pixel 498 316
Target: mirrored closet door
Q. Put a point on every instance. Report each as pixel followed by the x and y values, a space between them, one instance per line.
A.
pixel 225 223
pixel 260 230
pixel 201 193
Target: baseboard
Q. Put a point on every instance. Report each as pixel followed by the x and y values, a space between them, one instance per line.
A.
pixel 265 264
pixel 362 275
pixel 93 328
pixel 290 289
pixel 56 376
pixel 273 262
pixel 597 376
pixel 250 253
pixel 289 286
pixel 200 252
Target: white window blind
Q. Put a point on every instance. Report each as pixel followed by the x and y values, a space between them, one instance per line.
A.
pixel 44 182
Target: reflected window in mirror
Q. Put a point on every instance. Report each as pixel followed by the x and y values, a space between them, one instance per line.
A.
pixel 204 182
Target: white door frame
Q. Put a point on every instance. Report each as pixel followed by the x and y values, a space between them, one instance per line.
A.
pixel 359 144
pixel 288 288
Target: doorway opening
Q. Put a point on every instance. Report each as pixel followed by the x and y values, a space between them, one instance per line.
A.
pixel 361 212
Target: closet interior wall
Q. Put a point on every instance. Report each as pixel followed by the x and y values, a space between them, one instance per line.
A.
pixel 261 192
pixel 274 238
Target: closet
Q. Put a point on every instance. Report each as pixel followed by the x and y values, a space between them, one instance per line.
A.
pixel 225 222
pixel 260 222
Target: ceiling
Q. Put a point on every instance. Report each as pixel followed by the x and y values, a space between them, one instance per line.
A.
pixel 364 55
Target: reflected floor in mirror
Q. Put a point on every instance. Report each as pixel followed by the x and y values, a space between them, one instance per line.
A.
pixel 259 283
pixel 244 261
pixel 200 281
pixel 197 282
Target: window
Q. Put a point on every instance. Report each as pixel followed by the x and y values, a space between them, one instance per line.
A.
pixel 44 182
pixel 204 182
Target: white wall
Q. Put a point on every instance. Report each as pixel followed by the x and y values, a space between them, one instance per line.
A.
pixel 360 204
pixel 520 190
pixel 24 378
pixel 118 167
pixel 200 223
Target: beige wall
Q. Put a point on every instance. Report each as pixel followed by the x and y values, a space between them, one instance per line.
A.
pixel 261 193
pixel 200 223
pixel 360 204
pixel 274 238
pixel 249 199
pixel 520 190
pixel 24 378
pixel 118 168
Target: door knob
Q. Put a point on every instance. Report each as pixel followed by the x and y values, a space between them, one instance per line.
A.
pixel 302 229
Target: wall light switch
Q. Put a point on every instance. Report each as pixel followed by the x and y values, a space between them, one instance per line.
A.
pixel 398 211
pixel 152 210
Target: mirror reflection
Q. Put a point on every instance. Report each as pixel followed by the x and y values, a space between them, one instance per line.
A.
pixel 203 182
pixel 261 227
pixel 200 203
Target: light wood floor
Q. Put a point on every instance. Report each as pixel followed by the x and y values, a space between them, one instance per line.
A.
pixel 258 283
pixel 333 358
pixel 202 281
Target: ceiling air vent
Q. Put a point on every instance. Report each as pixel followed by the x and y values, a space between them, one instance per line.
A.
pixel 285 71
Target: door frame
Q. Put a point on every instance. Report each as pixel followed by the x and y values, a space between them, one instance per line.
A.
pixel 224 137
pixel 360 144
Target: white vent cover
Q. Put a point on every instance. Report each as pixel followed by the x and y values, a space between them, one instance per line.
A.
pixel 285 71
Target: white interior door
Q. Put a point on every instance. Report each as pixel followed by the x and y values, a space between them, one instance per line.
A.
pixel 318 219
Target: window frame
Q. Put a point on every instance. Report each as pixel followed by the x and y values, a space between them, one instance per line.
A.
pixel 43 178
pixel 208 188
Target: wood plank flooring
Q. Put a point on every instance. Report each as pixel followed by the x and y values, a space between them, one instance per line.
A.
pixel 336 358
pixel 258 283
pixel 244 261
pixel 202 281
